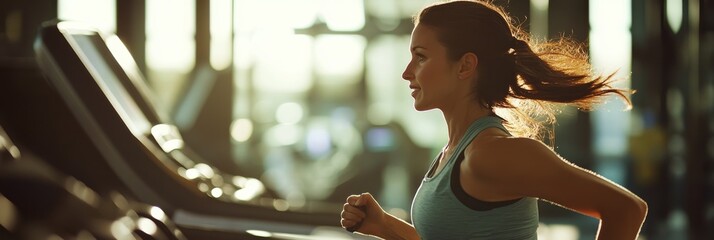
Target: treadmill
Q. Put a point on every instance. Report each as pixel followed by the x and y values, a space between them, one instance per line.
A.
pixel 99 81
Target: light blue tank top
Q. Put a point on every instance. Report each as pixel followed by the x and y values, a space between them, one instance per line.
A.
pixel 437 213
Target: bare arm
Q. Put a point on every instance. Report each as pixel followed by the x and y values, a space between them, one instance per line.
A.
pixel 363 211
pixel 518 167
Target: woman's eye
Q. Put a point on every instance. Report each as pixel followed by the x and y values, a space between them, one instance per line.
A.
pixel 420 58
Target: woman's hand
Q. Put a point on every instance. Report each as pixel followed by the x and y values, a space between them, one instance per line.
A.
pixel 361 213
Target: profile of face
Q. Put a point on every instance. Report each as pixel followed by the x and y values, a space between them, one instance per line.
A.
pixel 433 77
pixel 461 56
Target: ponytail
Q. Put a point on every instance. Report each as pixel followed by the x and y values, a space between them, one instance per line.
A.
pixel 549 74
pixel 560 74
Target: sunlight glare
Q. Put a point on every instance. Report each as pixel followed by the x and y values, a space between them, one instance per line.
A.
pixel 147 226
pixel 289 113
pixel 339 58
pixel 100 13
pixel 283 61
pixel 343 15
pixel 674 14
pixel 170 30
pixel 242 129
pixel 221 33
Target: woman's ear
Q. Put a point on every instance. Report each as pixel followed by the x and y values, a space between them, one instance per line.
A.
pixel 467 65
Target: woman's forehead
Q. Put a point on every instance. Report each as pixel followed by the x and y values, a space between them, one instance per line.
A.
pixel 424 37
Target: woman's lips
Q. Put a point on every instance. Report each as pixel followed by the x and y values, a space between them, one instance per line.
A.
pixel 414 91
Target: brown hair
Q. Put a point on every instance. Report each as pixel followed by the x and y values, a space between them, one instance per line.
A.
pixel 515 72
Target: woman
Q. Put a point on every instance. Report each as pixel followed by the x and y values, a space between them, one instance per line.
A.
pixel 468 61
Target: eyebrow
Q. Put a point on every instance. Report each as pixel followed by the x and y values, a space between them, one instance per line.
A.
pixel 415 48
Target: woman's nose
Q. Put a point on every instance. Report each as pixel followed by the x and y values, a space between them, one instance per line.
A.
pixel 407 74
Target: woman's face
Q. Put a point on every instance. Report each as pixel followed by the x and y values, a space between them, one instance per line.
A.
pixel 431 75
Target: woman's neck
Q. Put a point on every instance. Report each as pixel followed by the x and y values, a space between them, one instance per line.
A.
pixel 458 119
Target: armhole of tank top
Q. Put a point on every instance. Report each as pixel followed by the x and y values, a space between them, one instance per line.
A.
pixel 468 200
pixel 433 166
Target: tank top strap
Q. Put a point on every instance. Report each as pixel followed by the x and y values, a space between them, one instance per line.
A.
pixel 474 129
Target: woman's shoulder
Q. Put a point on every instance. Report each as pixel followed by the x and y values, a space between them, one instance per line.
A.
pixel 495 144
pixel 497 152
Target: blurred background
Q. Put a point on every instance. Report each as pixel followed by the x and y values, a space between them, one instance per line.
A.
pixel 307 95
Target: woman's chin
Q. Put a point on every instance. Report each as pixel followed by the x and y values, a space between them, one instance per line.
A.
pixel 421 107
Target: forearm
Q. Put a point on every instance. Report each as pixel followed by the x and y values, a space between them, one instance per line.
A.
pixel 397 229
pixel 625 225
